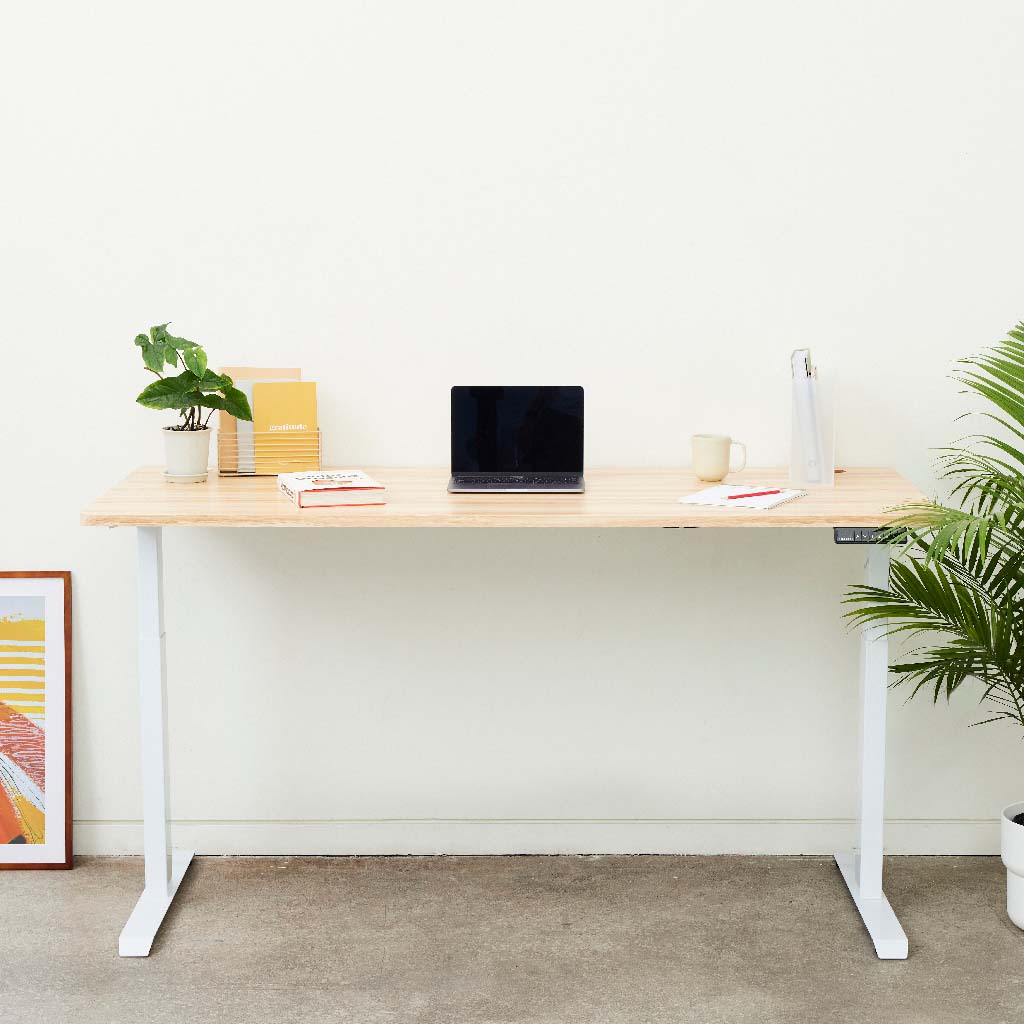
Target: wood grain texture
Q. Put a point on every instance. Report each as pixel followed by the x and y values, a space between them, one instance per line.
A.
pixel 417 497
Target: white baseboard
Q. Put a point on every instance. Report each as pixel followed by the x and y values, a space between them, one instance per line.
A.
pixel 480 837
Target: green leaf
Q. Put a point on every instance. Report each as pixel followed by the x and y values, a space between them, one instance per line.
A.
pixel 152 352
pixel 236 404
pixel 210 401
pixel 170 393
pixel 195 360
pixel 181 344
pixel 158 333
pixel 212 381
pixel 153 356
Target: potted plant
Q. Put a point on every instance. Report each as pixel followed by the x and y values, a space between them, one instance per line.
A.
pixel 195 389
pixel 957 576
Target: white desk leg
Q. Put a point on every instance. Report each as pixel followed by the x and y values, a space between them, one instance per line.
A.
pixel 164 867
pixel 862 870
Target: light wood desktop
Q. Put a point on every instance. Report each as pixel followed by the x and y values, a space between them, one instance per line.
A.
pixel 417 497
pixel 615 498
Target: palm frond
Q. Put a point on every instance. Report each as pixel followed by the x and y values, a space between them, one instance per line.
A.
pixel 997 375
pixel 958 570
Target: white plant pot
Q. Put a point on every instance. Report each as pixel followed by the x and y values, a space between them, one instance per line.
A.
pixel 188 455
pixel 1012 848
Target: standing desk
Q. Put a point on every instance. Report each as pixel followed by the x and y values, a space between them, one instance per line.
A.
pixel 615 498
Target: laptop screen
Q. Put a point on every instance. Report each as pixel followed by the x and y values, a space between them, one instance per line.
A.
pixel 517 430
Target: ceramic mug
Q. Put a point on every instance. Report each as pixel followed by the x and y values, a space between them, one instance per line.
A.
pixel 711 454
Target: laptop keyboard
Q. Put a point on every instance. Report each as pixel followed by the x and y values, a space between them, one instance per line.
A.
pixel 521 479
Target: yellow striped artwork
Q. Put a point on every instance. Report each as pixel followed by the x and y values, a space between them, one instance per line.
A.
pixel 22 720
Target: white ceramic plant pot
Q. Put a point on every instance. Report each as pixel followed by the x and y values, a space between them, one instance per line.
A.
pixel 188 455
pixel 1012 847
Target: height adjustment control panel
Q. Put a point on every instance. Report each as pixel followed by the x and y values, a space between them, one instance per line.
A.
pixel 857 534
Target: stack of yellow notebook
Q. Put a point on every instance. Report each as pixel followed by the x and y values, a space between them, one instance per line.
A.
pixel 284 435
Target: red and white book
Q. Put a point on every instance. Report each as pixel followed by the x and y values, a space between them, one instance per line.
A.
pixel 325 487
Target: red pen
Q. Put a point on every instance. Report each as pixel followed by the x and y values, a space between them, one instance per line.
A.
pixel 753 494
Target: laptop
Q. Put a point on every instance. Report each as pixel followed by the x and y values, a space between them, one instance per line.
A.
pixel 517 439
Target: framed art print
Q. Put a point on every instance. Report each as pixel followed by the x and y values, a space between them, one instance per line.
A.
pixel 35 720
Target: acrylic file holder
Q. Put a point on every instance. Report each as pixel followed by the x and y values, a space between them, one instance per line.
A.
pixel 812 457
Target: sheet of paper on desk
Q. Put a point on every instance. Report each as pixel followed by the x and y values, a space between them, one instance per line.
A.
pixel 720 496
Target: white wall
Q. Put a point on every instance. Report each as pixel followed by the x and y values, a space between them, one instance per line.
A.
pixel 655 200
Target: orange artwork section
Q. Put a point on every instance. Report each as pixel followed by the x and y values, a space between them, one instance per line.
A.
pixel 22 717
pixel 33 820
pixel 10 823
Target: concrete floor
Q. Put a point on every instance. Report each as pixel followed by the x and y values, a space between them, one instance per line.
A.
pixel 526 939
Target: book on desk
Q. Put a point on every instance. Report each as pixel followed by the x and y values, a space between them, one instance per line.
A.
pixel 327 488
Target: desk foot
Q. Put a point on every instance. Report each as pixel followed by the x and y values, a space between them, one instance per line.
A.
pixel 140 931
pixel 885 930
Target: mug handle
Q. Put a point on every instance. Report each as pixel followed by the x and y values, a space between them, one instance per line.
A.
pixel 743 464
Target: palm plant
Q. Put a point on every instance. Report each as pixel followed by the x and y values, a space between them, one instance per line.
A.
pixel 956 579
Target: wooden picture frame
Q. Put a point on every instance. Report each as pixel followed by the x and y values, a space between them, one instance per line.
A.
pixel 35 720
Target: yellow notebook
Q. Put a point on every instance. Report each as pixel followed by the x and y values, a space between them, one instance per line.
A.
pixel 285 426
